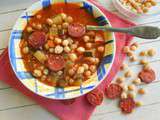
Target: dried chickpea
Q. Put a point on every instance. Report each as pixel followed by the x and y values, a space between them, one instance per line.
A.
pixel 141 91
pixel 46 46
pixel 124 87
pixel 123 95
pixel 143 62
pixel 124 66
pixel 131 94
pixel 133 58
pixel 120 79
pixel 130 53
pixel 143 53
pixel 153 2
pixel 139 103
pixel 129 73
pixel 126 49
pixel 137 81
pixel 131 87
pixel 146 67
pixel 151 52
pixel 37 73
pixel 135 44
pixel 133 48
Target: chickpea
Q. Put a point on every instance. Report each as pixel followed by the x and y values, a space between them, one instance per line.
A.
pixel 86 38
pixel 135 44
pixel 124 66
pixel 126 49
pixel 132 95
pixel 96 60
pixel 65 43
pixel 146 67
pixel 151 52
pixel 139 103
pixel 120 79
pixel 65 25
pixel 133 48
pixel 25 50
pixel 80 49
pixel 100 49
pixel 80 70
pixel 93 68
pixel 123 95
pixel 29 29
pixel 71 72
pixel 73 57
pixel 74 46
pixel 128 73
pixel 131 87
pixel 49 21
pixel 69 19
pixel 88 45
pixel 130 53
pixel 88 73
pixel 60 72
pixel 59 27
pixel 58 49
pixel 58 40
pixel 64 16
pixel 141 91
pixel 51 50
pixel 143 62
pixel 143 53
pixel 137 81
pixel 45 71
pixel 37 73
pixel 133 58
pixel 39 26
pixel 86 67
pixel 70 81
pixel 67 49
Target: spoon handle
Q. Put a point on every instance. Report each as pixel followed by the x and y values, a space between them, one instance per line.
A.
pixel 106 28
pixel 146 32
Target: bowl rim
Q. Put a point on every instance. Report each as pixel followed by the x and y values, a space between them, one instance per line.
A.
pixel 106 74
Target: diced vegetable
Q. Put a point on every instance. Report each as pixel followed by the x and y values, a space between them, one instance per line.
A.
pixel 57 19
pixel 41 57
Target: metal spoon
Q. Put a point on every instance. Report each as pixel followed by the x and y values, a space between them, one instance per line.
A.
pixel 146 32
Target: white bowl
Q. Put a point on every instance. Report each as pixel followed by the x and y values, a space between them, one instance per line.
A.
pixel 44 90
pixel 131 14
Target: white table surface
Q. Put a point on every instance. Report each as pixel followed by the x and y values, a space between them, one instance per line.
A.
pixel 15 106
